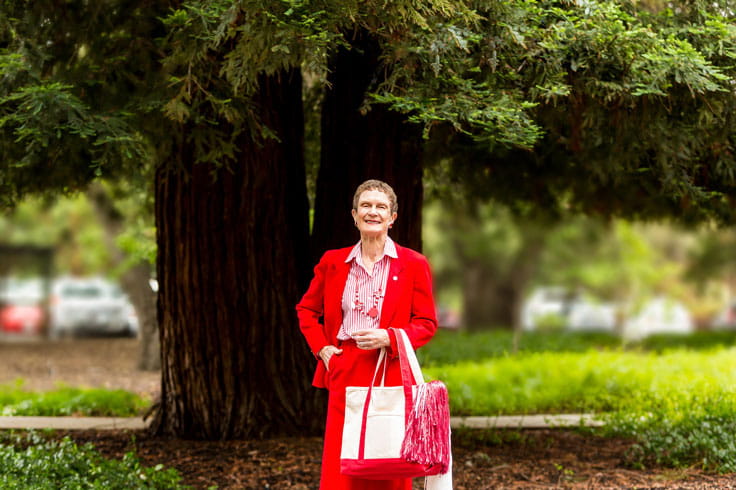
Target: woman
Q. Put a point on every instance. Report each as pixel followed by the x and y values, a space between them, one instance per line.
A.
pixel 358 293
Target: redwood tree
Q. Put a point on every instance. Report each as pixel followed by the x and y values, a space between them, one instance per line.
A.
pixel 232 241
pixel 360 143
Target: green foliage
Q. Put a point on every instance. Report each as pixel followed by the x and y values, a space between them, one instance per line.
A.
pixel 67 114
pixel 44 124
pixel 449 347
pixel 70 401
pixel 594 381
pixel 696 432
pixel 68 224
pixel 32 462
pixel 713 257
pixel 633 106
pixel 672 394
pixel 702 340
pixel 219 53
pixel 618 260
pixel 627 109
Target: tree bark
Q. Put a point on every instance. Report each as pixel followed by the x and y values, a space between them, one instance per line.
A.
pixel 233 258
pixel 487 298
pixel 134 280
pixel 357 146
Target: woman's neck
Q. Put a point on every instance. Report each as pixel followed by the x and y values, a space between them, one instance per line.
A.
pixel 372 247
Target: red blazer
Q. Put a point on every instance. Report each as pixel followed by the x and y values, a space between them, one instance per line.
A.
pixel 408 302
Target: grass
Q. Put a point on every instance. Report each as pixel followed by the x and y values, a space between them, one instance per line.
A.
pixel 14 400
pixel 676 395
pixel 592 381
pixel 31 462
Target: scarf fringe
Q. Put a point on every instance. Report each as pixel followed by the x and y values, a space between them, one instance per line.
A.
pixel 427 439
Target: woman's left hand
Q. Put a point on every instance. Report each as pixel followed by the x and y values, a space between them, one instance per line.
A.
pixel 371 339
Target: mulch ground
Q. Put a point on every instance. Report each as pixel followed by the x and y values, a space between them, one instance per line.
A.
pixel 524 460
pixel 529 459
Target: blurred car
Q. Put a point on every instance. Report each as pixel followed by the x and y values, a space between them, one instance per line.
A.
pixel 24 319
pixel 659 315
pixel 545 303
pixel 88 306
pixel 22 305
pixel 589 316
pixel 21 291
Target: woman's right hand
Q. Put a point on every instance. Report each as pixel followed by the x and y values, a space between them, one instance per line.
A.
pixel 326 354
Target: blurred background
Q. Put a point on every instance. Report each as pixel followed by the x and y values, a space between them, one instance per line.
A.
pixel 493 269
pixel 68 269
pixel 80 266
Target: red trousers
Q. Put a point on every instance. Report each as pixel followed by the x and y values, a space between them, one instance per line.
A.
pixel 354 367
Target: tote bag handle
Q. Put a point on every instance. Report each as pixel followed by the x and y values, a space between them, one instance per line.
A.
pixel 409 366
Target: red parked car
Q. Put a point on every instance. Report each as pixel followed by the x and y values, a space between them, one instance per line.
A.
pixel 26 319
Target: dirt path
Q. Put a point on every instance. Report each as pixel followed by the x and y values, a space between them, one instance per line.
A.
pixel 89 362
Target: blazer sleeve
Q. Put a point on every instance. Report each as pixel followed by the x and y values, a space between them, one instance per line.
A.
pixel 310 310
pixel 423 316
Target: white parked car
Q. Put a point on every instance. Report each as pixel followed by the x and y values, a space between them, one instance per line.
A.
pixel 660 315
pixel 546 302
pixel 586 316
pixel 89 305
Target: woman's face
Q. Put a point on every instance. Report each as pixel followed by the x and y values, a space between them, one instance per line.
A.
pixel 373 216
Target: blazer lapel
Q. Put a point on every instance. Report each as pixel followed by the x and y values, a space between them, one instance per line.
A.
pixel 394 285
pixel 333 294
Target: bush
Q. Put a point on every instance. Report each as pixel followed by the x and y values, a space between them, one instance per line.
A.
pixel 554 382
pixel 34 463
pixel 672 394
pixel 70 401
pixel 449 347
pixel 700 433
pixel 696 340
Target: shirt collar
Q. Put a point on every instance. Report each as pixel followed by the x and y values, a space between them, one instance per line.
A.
pixel 389 249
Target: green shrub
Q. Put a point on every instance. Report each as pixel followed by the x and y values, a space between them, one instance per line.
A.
pixel 699 433
pixel 449 347
pixel 678 403
pixel 70 401
pixel 696 340
pixel 554 382
pixel 31 462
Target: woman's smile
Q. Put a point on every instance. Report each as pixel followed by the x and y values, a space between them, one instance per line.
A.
pixel 373 213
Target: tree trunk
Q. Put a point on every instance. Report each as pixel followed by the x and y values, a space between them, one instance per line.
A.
pixel 232 260
pixel 487 298
pixel 134 280
pixel 143 299
pixel 358 145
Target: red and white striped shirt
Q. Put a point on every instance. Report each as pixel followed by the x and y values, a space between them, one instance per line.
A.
pixel 364 292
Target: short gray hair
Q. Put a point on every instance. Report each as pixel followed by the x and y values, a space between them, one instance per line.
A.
pixel 376 185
